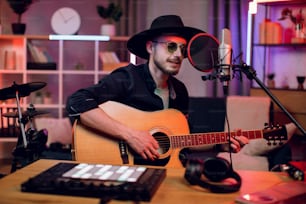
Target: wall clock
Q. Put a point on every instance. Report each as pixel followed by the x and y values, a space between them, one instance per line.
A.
pixel 66 21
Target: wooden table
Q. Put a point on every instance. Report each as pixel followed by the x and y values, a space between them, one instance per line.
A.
pixel 174 188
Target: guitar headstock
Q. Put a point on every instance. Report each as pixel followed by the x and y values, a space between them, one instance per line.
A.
pixel 275 134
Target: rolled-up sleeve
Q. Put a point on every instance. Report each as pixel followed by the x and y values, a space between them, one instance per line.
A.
pixel 110 87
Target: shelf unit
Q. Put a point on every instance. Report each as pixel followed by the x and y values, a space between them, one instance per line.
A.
pixel 77 60
pixel 286 59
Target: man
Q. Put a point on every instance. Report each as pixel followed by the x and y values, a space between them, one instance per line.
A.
pixel 148 87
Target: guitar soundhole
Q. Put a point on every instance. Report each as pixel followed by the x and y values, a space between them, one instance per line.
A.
pixel 163 141
pixel 164 146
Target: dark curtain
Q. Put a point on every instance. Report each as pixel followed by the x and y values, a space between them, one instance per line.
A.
pixel 231 14
pixel 133 20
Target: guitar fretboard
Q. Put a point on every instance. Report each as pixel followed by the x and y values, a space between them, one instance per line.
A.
pixel 199 139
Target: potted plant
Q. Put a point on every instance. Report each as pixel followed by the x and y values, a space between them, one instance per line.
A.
pixel 19 7
pixel 112 13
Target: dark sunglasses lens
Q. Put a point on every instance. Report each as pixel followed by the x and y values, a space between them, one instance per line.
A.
pixel 172 47
pixel 183 49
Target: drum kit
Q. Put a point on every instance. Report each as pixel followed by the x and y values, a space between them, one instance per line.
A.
pixel 30 143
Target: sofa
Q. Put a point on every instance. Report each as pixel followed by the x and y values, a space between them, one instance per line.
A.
pixel 246 113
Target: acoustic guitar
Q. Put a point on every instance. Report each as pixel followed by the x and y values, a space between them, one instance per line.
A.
pixel 169 127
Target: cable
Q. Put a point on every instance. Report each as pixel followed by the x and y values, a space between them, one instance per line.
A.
pixel 229 140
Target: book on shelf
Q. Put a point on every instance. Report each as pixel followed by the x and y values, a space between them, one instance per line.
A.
pixel 110 61
pixel 109 57
pixel 36 54
pixel 39 54
pixel 40 58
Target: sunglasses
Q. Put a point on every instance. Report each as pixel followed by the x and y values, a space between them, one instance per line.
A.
pixel 172 46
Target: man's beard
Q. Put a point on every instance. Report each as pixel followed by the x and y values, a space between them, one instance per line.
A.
pixel 166 71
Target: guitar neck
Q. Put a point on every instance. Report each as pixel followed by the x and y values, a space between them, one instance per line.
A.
pixel 199 139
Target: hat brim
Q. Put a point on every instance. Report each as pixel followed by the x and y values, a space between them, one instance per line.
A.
pixel 137 43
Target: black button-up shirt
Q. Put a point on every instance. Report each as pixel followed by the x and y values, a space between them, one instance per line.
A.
pixel 131 85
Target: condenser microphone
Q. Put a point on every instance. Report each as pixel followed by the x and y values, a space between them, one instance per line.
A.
pixel 225 58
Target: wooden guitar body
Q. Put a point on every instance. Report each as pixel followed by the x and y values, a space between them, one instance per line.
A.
pixel 92 147
pixel 169 127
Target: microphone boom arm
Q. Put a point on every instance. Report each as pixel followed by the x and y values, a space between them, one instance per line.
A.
pixel 251 74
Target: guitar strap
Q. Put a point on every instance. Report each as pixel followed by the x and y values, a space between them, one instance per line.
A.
pixel 123 152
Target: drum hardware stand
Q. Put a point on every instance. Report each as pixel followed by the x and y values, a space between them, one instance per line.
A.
pixel 22 125
pixel 35 140
pixel 30 143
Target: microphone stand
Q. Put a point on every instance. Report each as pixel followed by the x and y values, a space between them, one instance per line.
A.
pixel 251 74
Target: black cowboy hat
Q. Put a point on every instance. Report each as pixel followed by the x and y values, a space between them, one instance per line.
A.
pixel 161 25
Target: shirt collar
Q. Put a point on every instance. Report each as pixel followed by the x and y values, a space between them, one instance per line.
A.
pixel 152 86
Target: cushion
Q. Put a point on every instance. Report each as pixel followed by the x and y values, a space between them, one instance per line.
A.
pixel 242 161
pixel 247 112
pixel 59 129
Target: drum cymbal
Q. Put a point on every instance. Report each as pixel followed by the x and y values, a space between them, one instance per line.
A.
pixel 22 89
pixel 30 114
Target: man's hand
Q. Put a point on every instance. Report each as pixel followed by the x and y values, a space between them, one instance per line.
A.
pixel 236 143
pixel 143 143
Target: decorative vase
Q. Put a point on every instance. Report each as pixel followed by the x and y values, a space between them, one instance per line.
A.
pixel 300 80
pixel 299 36
pixel 271 82
pixel 18 28
pixel 108 29
pixel 299 28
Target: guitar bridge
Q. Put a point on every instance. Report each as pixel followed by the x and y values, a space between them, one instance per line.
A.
pixel 123 152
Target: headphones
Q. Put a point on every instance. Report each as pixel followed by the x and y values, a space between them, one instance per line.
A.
pixel 215 169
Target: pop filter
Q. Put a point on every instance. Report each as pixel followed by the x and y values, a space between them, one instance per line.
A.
pixel 202 52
